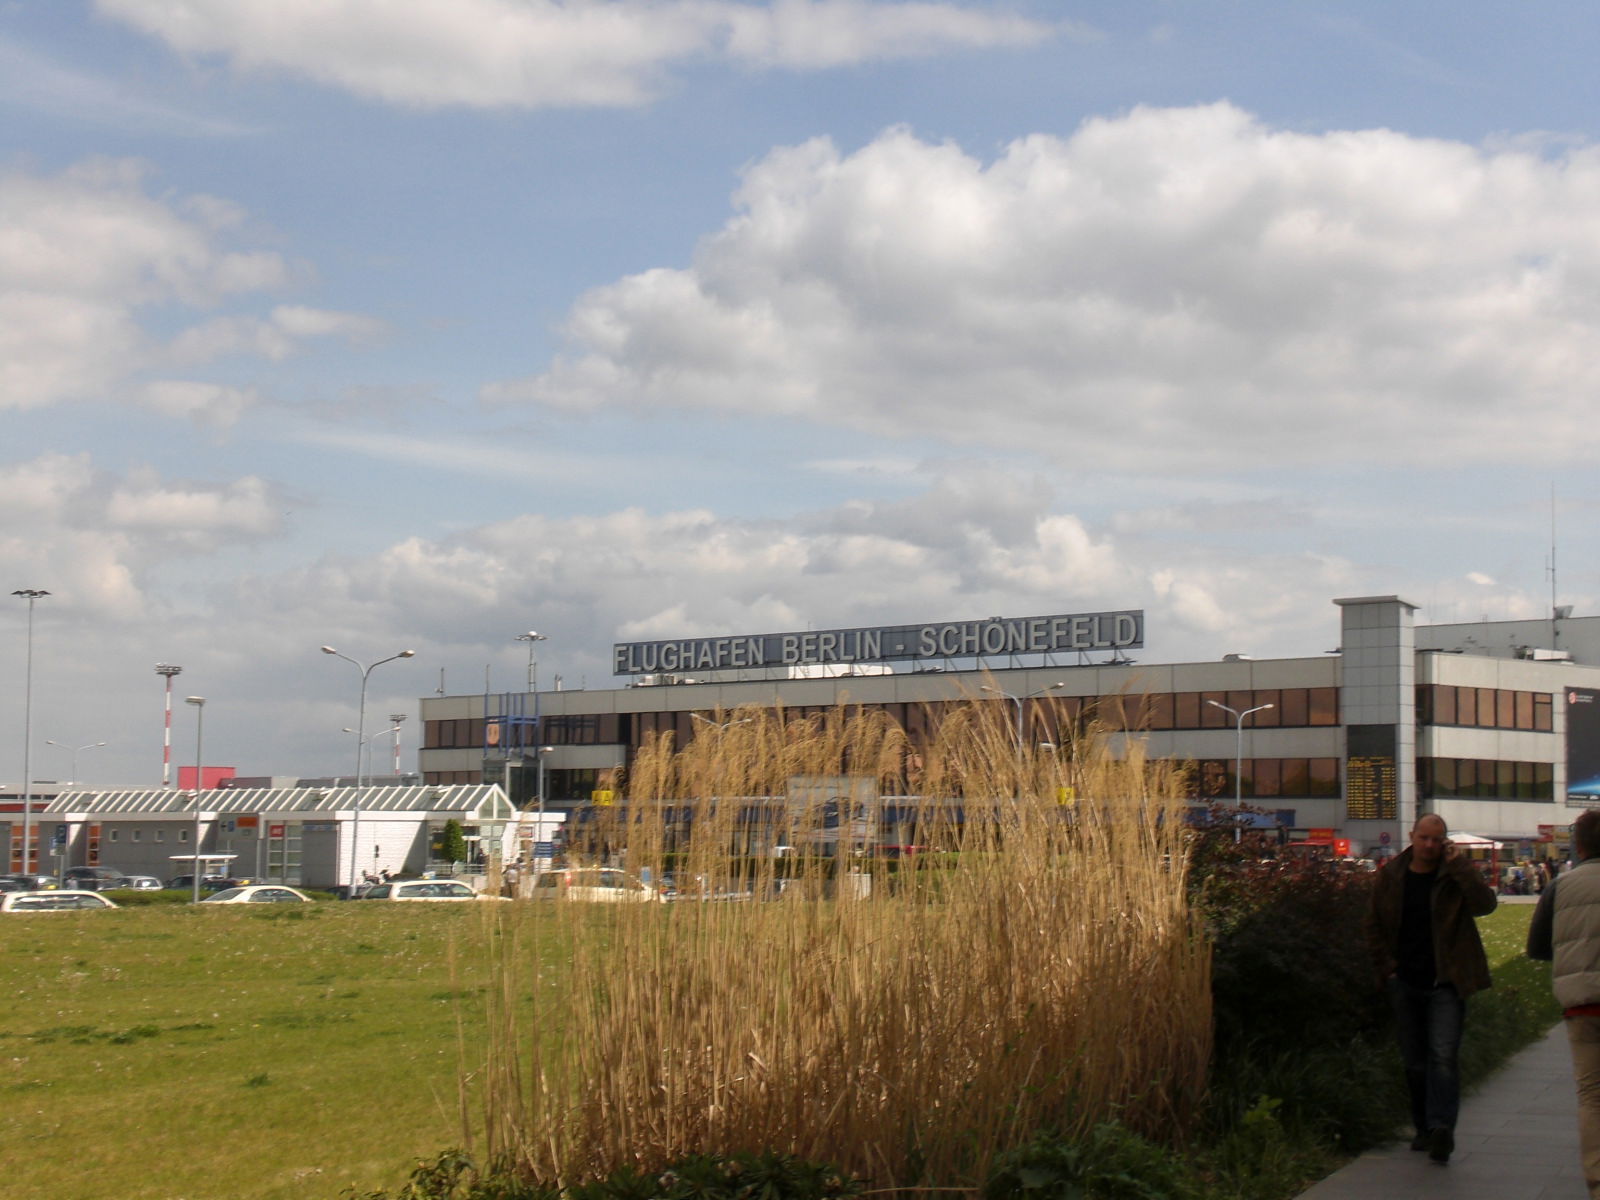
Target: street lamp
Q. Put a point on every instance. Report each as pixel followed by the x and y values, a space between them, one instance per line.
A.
pixel 361 727
pixel 1238 757
pixel 724 726
pixel 394 729
pixel 533 639
pixel 1017 700
pixel 543 750
pixel 199 703
pixel 30 595
pixel 74 751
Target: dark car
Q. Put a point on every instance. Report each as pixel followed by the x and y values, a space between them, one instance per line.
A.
pixel 93 879
pixel 35 883
pixel 208 883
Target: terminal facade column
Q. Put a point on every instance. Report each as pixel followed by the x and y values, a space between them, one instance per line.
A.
pixel 1377 709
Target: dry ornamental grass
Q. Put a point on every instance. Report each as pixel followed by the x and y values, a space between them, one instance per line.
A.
pixel 1033 965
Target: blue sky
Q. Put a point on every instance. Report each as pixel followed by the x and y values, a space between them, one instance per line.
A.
pixel 422 324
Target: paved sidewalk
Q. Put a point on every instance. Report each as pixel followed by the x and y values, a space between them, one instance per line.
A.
pixel 1517 1139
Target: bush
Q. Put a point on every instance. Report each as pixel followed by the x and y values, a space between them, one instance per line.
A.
pixel 1110 1163
pixel 143 897
pixel 765 1176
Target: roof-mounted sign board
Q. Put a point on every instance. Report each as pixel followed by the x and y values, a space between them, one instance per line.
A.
pixel 1068 633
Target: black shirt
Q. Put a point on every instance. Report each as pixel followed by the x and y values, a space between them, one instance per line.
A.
pixel 1415 952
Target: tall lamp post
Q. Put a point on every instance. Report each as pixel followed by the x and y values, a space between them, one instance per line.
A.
pixel 199 703
pixel 1017 700
pixel 30 595
pixel 1238 758
pixel 394 729
pixel 366 670
pixel 74 751
pixel 167 670
pixel 533 639
pixel 539 785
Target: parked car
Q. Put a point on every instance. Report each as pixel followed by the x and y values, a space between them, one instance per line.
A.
pixel 604 885
pixel 257 893
pixel 52 901
pixel 425 889
pixel 10 883
pixel 35 883
pixel 208 883
pixel 93 879
pixel 139 883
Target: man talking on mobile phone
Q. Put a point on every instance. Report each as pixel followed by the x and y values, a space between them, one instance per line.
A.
pixel 1428 956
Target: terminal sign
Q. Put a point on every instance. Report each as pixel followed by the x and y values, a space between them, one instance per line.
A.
pixel 1122 630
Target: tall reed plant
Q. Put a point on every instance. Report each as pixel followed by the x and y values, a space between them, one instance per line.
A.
pixel 1031 965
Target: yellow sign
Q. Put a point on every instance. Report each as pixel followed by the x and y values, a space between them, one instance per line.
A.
pixel 1066 795
pixel 601 798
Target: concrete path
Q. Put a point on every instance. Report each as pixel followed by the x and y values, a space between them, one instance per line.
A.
pixel 1517 1139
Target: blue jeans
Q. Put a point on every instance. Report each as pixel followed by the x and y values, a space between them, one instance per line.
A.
pixel 1428 1021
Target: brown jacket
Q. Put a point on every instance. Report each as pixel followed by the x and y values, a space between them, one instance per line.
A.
pixel 1459 895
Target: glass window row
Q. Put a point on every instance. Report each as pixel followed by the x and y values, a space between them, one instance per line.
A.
pixel 1046 716
pixel 1485 779
pixel 1483 708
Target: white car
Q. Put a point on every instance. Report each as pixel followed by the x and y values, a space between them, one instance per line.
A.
pixel 603 885
pixel 57 901
pixel 425 889
pixel 257 893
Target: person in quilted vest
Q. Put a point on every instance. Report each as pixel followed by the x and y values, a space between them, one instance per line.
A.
pixel 1425 948
pixel 1566 933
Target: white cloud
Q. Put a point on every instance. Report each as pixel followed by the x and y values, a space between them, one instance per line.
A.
pixel 100 540
pixel 1164 290
pixel 555 53
pixel 90 261
pixel 204 403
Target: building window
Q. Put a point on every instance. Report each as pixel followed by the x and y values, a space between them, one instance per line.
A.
pixel 136 834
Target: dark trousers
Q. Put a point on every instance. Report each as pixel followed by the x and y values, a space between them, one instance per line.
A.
pixel 1428 1021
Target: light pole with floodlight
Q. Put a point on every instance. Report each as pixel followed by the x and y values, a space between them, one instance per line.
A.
pixel 366 670
pixel 1238 758
pixel 74 751
pixel 30 595
pixel 199 703
pixel 533 638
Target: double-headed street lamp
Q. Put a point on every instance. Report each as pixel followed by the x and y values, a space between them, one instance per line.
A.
pixel 1017 700
pixel 721 726
pixel 30 595
pixel 393 729
pixel 533 638
pixel 74 751
pixel 1238 758
pixel 366 670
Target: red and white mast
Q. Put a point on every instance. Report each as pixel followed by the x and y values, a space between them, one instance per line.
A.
pixel 395 719
pixel 166 733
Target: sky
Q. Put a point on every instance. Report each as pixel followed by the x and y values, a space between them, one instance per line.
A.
pixel 420 324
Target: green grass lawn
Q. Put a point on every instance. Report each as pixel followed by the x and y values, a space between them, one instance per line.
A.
pixel 235 1054
pixel 157 1053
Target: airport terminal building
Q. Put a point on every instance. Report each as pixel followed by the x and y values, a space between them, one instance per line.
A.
pixel 1494 725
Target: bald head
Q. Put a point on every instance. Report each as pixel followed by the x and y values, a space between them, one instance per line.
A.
pixel 1429 838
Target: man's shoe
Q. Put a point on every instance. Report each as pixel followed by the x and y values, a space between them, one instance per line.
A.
pixel 1420 1142
pixel 1441 1142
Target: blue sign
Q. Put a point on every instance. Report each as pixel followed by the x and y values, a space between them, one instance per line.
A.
pixel 544 850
